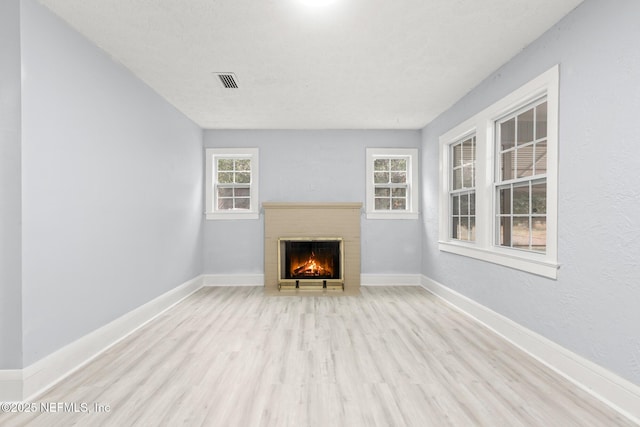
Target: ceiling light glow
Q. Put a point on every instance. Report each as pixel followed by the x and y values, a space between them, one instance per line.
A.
pixel 317 3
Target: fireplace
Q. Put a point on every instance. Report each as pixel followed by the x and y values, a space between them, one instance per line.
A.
pixel 326 233
pixel 310 262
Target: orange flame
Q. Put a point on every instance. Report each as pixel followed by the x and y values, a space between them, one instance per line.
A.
pixel 312 267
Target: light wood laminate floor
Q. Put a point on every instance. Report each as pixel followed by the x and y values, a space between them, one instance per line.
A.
pixel 393 356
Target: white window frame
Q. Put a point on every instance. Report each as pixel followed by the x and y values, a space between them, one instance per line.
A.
pixel 412 211
pixel 212 154
pixel 463 191
pixel 483 125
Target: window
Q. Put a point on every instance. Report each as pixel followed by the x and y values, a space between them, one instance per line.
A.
pixel 498 197
pixel 521 184
pixel 232 189
pixel 392 183
pixel 462 193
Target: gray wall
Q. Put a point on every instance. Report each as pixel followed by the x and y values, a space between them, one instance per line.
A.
pixel 112 188
pixel 312 166
pixel 592 309
pixel 10 207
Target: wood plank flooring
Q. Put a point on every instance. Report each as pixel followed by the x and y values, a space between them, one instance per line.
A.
pixel 392 356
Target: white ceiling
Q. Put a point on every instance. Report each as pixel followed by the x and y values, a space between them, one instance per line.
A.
pixel 354 64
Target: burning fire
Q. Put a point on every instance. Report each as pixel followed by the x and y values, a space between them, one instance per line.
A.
pixel 312 267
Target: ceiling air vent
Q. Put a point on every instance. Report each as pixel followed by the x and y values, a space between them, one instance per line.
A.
pixel 228 80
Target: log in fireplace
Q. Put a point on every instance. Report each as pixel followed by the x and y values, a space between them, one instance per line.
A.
pixel 310 262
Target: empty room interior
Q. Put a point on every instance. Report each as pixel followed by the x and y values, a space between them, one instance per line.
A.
pixel 329 213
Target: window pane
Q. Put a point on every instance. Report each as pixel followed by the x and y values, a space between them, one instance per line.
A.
pixel 399 204
pixel 508 165
pixel 398 177
pixel 382 204
pixel 520 233
pixel 505 201
pixel 464 204
pixel 521 200
pixel 541 121
pixel 455 202
pixel 225 192
pixel 539 198
pixel 472 204
pixel 225 177
pixel 381 164
pixel 398 164
pixel 225 204
pixel 505 231
pixel 463 234
pixel 541 158
pixel 467 177
pixel 381 177
pixel 242 192
pixel 457 179
pixel 468 152
pixel 525 161
pixel 243 164
pixel 507 134
pixel 382 192
pixel 455 225
pixel 472 229
pixel 539 234
pixel 225 164
pixel 525 127
pixel 457 155
pixel 399 192
pixel 242 203
pixel 243 177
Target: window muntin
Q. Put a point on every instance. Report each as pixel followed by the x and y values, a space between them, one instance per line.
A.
pixel 231 187
pixel 233 183
pixel 521 187
pixel 522 220
pixel 392 183
pixel 462 193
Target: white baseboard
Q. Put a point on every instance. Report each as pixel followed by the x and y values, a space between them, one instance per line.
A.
pixel 618 393
pixel 19 385
pixel 390 279
pixel 10 385
pixel 233 279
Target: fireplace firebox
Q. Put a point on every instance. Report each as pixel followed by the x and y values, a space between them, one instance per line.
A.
pixel 310 262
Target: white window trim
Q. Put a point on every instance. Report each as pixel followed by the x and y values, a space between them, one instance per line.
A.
pixel 412 211
pixel 482 124
pixel 210 199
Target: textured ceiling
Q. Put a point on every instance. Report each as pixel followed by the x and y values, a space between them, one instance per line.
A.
pixel 354 64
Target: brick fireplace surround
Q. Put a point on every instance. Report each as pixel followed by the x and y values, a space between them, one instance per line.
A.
pixel 312 220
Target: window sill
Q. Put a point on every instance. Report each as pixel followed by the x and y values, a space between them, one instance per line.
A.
pixel 232 215
pixel 527 262
pixel 392 215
